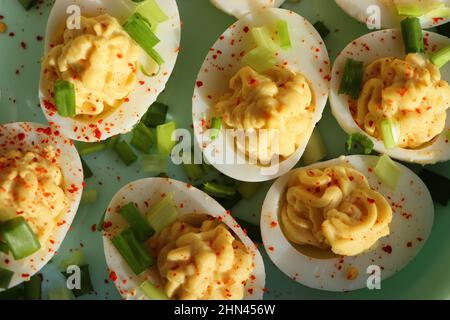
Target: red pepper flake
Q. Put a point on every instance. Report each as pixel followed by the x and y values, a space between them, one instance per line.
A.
pixel 25 275
pixel 419 239
pixel 409 244
pixel 273 224
pixel 119 55
pixel 113 276
pixel 94 228
pixel 7 261
pixel 21 136
pixel 49 106
pixel 97 133
pixel 246 29
pixel 47 131
pixel 250 291
pixel 73 188
pixel 23 45
pixel 271 248
pixel 387 249
pixel 107 224
pixel 371 201
pixel 39 38
pixel 11 34
pixel 199 84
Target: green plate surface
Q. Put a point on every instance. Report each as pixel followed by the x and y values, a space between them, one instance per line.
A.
pixel 428 276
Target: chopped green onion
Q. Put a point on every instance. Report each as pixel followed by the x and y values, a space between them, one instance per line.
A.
pixel 164 137
pixel 89 196
pixel 218 190
pixel 390 131
pixel 137 222
pixel 253 231
pixel 28 4
pixel 216 126
pixel 85 148
pixel 207 168
pixel 5 278
pixel 193 171
pixel 85 283
pixel 412 35
pixel 162 214
pixel 61 293
pixel 142 138
pixel 154 163
pixel 111 142
pixel 14 293
pixel 152 292
pixel 133 252
pixel 125 153
pixel 263 39
pixel 4 247
pixel 260 59
pixel 153 13
pixel 352 78
pixel 441 57
pixel 19 237
pixel 361 139
pixel 229 203
pixel 156 115
pixel 75 259
pixel 86 170
pixel 388 172
pixel 441 12
pixel 151 69
pixel 322 29
pixel 65 98
pixel 409 10
pixel 315 150
pixel 437 185
pixel 32 289
pixel 249 189
pixel 283 35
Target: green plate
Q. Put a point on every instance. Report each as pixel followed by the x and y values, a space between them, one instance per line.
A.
pixel 427 277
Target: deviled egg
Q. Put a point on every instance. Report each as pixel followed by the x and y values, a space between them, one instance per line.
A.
pixel 105 63
pixel 331 225
pixel 41 181
pixel 188 246
pixel 239 8
pixel 265 82
pixel 389 13
pixel 404 100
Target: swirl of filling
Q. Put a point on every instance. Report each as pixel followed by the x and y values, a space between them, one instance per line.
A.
pixel 335 209
pixel 205 263
pixel 409 91
pixel 277 102
pixel 100 59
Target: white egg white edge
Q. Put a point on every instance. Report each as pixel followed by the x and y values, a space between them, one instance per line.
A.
pixel 392 45
pixel 363 10
pixel 70 164
pixel 239 8
pixel 324 274
pixel 194 201
pixel 315 66
pixel 124 117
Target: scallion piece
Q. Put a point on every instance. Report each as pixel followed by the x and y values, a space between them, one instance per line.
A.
pixel 137 222
pixel 5 278
pixel 60 293
pixel 441 57
pixel 229 203
pixel 409 10
pixel 85 148
pixel 164 137
pixel 28 4
pixel 216 126
pixel 412 35
pixel 142 138
pixel 162 214
pixel 284 35
pixel 19 237
pixel 352 78
pixel 156 115
pixel 249 189
pixel 390 131
pixel 75 258
pixel 263 39
pixel 315 150
pixel 32 289
pixel 152 292
pixel 154 163
pixel 138 248
pixel 218 190
pixel 260 59
pixel 125 153
pixel 89 196
pixel 65 98
pixel 193 171
pixel 322 29
pixel 86 170
pixel 388 172
pixel 360 139
pixel 85 283
pixel 439 12
pixel 4 247
pixel 111 142
pixel 152 12
pixel 15 293
pixel 438 186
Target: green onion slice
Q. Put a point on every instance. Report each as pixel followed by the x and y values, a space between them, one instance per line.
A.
pixel 85 148
pixel 85 283
pixel 152 292
pixel 162 214
pixel 412 35
pixel 65 99
pixel 164 137
pixel 283 35
pixel 322 29
pixel 60 293
pixel 260 59
pixel 263 38
pixel 19 237
pixel 125 153
pixel 89 196
pixel 75 258
pixel 352 78
pixel 137 222
pixel 216 126
pixel 390 131
pixel 5 278
pixel 153 13
pixel 142 138
pixel 32 289
pixel 441 57
pixel 361 139
pixel 218 190
pixel 388 172
pixel 156 115
pixel 154 163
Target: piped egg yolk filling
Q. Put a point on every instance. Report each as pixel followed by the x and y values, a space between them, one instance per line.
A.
pixel 100 59
pixel 31 186
pixel 335 209
pixel 206 263
pixel 408 91
pixel 278 102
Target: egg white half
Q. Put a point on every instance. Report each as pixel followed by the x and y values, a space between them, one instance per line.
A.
pixel 362 10
pixel 368 48
pixel 239 8
pixel 413 214
pixel 308 56
pixel 123 118
pixel 33 137
pixel 147 192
